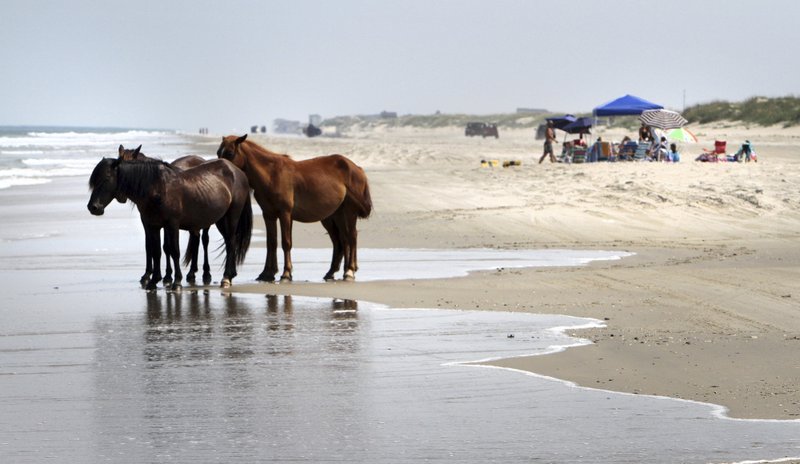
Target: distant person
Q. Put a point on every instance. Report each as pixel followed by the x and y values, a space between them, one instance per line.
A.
pixel 645 134
pixel 566 152
pixel 549 139
pixel 672 155
pixel 745 153
pixel 658 149
pixel 596 150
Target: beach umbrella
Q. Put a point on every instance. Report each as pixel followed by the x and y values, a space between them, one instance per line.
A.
pixel 681 134
pixel 561 121
pixel 579 126
pixel 663 119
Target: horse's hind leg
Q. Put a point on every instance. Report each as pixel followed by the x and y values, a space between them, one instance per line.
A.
pixel 336 259
pixel 168 272
pixel 352 218
pixel 229 236
pixel 191 255
pixel 206 266
pixel 346 223
pixel 153 241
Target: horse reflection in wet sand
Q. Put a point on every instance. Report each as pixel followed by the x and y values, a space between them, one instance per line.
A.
pixel 330 189
pixel 216 192
pixel 192 249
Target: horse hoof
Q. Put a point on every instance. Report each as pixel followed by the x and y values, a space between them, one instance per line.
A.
pixel 206 279
pixel 226 283
pixel 349 277
pixel 167 281
pixel 176 287
pixel 151 286
pixel 286 278
pixel 266 278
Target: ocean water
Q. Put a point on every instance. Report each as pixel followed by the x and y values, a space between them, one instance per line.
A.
pixel 93 369
pixel 36 155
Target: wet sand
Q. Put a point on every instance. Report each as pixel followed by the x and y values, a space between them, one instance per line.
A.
pixel 96 370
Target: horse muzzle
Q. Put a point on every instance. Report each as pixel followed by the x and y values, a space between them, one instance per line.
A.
pixel 96 210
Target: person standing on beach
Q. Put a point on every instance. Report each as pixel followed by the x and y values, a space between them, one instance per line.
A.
pixel 549 138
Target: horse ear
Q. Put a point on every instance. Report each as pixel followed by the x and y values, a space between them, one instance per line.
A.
pixel 121 149
pixel 241 139
pixel 136 152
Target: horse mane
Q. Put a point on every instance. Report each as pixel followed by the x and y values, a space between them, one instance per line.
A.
pixel 97 177
pixel 254 148
pixel 135 178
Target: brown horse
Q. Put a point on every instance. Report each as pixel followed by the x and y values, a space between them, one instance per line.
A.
pixel 193 248
pixel 330 189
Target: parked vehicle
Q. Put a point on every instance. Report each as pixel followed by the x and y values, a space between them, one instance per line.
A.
pixel 481 128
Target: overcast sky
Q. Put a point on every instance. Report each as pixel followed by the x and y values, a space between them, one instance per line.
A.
pixel 233 63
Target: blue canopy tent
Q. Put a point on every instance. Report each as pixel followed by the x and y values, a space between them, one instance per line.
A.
pixel 626 105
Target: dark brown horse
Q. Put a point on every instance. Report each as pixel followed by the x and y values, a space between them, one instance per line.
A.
pixel 215 192
pixel 330 189
pixel 193 248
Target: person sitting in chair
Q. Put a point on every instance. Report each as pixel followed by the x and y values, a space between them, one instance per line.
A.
pixel 672 155
pixel 658 150
pixel 645 134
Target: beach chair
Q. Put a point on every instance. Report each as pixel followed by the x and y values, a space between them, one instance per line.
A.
pixel 578 154
pixel 627 150
pixel 719 149
pixel 642 150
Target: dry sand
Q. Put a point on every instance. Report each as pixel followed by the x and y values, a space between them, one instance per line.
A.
pixel 708 309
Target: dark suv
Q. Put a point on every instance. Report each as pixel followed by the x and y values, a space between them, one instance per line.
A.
pixel 482 129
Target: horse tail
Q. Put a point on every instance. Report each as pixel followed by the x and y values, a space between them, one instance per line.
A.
pixel 244 229
pixel 358 192
pixel 191 249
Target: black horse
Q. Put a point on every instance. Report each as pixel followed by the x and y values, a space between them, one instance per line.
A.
pixel 193 248
pixel 216 192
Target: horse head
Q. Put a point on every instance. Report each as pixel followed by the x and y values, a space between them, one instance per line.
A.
pixel 103 184
pixel 130 155
pixel 230 149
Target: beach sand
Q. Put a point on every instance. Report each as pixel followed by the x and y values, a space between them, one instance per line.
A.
pixel 708 309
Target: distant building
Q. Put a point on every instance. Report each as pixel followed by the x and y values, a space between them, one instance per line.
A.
pixel 388 115
pixel 532 110
pixel 285 126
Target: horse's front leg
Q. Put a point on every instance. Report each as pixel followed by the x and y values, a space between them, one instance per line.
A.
pixel 172 239
pixel 271 264
pixel 148 267
pixel 153 240
pixel 286 244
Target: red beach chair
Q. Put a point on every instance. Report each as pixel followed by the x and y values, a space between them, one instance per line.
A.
pixel 719 149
